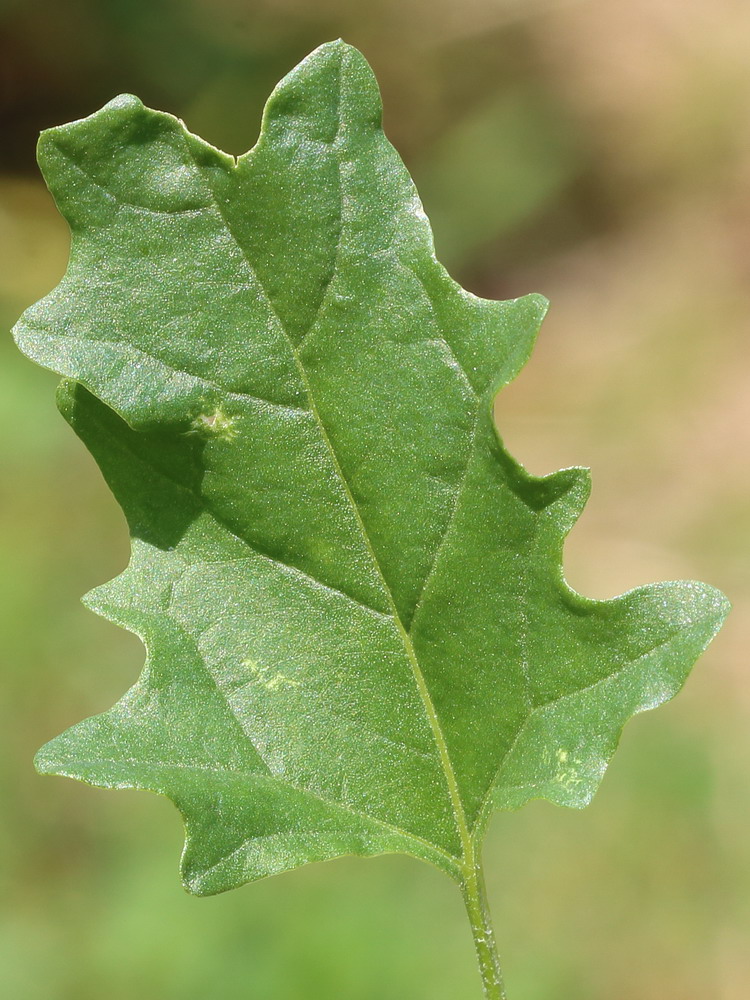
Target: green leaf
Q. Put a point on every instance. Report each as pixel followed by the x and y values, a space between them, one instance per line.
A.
pixel 359 636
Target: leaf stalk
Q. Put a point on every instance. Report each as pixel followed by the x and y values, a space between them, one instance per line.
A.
pixel 477 907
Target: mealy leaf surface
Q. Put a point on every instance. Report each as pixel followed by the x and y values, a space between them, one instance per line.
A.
pixel 359 636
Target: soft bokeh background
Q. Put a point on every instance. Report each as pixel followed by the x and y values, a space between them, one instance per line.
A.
pixel 597 151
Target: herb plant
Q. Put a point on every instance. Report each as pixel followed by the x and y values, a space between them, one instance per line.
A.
pixel 359 636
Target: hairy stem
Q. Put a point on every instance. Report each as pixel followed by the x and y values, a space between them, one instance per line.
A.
pixel 477 908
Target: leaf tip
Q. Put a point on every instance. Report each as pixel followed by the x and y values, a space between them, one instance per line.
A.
pixel 65 397
pixel 715 605
pixel 720 602
pixel 693 603
pixel 539 303
pixel 195 884
pixel 45 759
pixel 346 58
pixel 50 137
pixel 574 486
pixel 124 102
pixel 337 48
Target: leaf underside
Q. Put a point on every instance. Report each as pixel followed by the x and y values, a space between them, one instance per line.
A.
pixel 359 639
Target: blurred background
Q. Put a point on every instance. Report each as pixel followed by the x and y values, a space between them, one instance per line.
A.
pixel 597 151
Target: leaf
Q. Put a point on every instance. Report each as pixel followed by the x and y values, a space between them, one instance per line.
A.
pixel 359 636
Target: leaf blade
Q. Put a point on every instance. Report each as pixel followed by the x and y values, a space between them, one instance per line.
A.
pixel 345 585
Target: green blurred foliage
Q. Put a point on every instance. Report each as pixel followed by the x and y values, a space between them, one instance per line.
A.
pixel 592 151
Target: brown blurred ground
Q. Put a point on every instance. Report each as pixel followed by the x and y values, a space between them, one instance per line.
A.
pixel 598 152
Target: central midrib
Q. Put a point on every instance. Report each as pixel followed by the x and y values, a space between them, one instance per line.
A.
pixel 459 815
pixel 424 693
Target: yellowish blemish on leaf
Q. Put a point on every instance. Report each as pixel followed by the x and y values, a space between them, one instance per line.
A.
pixel 214 425
pixel 271 680
pixel 567 771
